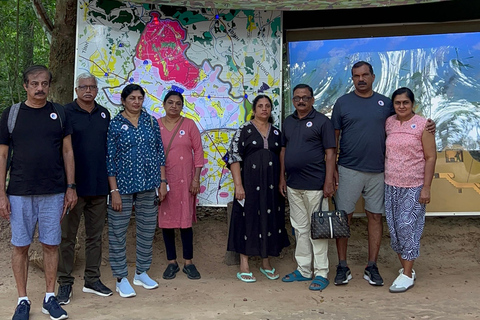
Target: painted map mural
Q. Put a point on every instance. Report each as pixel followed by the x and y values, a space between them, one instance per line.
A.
pixel 219 61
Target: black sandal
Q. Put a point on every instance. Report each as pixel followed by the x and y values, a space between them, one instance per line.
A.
pixel 170 272
pixel 191 271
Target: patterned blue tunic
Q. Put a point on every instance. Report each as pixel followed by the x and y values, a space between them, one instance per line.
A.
pixel 135 154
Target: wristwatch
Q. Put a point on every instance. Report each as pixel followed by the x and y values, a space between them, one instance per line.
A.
pixel 163 180
pixel 72 186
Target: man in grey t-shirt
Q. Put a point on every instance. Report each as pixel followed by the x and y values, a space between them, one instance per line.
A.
pixel 359 118
pixel 359 121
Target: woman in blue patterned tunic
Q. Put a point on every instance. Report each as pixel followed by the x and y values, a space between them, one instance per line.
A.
pixel 257 227
pixel 136 165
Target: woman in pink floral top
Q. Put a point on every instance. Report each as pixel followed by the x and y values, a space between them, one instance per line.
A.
pixel 409 167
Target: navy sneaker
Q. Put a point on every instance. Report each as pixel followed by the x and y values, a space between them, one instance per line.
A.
pixel 64 294
pixel 372 275
pixel 22 312
pixel 97 288
pixel 52 308
pixel 343 275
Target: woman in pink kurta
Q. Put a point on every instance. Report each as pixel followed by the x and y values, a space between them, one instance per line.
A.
pixel 184 160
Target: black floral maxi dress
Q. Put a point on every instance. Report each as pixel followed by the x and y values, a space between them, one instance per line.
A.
pixel 258 227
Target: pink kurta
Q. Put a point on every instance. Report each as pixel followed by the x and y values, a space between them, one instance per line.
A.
pixel 186 153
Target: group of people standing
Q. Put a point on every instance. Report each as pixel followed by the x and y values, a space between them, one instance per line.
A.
pixel 72 160
pixel 65 162
pixel 386 154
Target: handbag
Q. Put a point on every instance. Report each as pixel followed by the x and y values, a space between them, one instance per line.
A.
pixel 329 224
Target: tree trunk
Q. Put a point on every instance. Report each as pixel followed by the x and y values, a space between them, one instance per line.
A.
pixel 62 51
pixel 27 50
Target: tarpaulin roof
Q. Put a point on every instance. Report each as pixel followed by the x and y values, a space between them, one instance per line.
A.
pixel 286 5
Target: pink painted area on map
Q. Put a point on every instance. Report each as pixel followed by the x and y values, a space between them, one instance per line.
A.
pixel 234 117
pixel 162 43
pixel 204 171
pixel 223 194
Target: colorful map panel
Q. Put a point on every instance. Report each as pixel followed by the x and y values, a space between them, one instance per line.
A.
pixel 219 60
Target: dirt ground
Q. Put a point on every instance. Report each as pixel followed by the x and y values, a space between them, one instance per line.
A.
pixel 447 285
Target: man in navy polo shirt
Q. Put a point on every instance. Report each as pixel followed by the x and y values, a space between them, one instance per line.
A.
pixel 308 160
pixel 90 124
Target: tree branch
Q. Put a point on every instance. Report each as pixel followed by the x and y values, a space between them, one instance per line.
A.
pixel 43 18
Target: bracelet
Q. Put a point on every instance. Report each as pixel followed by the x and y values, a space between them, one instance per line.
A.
pixel 163 180
pixel 196 180
pixel 113 190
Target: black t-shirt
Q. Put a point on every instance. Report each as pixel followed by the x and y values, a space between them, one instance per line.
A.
pixel 305 141
pixel 37 165
pixel 89 141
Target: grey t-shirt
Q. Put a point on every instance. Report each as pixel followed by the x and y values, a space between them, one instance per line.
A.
pixel 305 141
pixel 362 125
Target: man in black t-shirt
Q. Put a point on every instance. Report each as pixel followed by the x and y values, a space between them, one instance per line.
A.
pixel 308 160
pixel 41 187
pixel 89 139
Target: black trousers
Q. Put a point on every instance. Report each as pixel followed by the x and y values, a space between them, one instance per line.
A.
pixel 94 210
pixel 187 242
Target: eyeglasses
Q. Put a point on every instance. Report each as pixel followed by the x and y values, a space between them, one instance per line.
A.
pixel 84 88
pixel 304 99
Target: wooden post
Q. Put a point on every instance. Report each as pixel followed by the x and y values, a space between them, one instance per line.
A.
pixel 231 258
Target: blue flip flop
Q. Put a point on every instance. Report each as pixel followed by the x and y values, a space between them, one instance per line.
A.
pixel 295 276
pixel 240 276
pixel 270 274
pixel 321 282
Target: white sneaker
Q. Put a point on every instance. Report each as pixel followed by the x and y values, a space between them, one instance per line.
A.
pixel 414 275
pixel 401 284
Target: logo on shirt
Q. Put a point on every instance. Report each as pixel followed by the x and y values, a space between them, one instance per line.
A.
pixel 182 132
pixel 276 132
pixel 103 115
pixel 53 116
pixel 381 103
pixel 125 127
pixel 309 124
pixel 413 126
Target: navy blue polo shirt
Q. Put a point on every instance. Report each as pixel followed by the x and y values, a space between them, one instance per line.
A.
pixel 305 141
pixel 89 141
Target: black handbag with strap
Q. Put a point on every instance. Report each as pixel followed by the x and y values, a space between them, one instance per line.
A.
pixel 329 224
